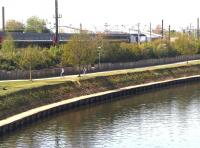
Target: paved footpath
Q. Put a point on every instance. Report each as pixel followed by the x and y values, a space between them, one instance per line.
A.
pixel 113 72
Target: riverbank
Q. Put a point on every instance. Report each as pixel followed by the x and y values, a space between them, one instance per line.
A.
pixel 166 111
pixel 43 92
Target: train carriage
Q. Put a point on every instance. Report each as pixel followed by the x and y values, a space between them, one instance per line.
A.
pixel 22 39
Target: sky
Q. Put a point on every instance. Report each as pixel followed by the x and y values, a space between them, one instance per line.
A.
pixel 93 14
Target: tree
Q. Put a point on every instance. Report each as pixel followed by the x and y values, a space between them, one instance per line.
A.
pixel 35 24
pixel 80 51
pixel 13 25
pixel 29 58
pixel 8 47
pixel 56 53
pixel 185 44
pixel 8 54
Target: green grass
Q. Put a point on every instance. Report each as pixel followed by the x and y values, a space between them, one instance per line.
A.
pixel 8 87
pixel 20 96
pixel 11 87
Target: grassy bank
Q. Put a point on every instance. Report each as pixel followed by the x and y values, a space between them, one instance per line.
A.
pixel 23 95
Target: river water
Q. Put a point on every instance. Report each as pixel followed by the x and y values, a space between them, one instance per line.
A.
pixel 167 118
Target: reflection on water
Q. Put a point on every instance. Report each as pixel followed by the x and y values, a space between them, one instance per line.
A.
pixel 164 118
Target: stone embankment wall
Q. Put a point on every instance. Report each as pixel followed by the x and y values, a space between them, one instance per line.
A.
pixel 33 115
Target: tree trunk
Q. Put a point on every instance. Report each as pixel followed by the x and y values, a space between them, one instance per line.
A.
pixel 30 70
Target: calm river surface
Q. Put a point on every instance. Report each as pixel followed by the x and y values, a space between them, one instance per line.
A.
pixel 167 118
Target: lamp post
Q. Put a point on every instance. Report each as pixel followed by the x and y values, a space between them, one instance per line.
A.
pixel 99 54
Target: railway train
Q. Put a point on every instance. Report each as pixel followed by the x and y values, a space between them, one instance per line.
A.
pixel 22 39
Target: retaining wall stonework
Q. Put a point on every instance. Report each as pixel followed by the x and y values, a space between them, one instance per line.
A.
pixel 20 120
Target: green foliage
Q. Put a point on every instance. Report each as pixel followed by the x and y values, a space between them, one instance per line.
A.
pixel 30 58
pixel 56 53
pixel 185 45
pixel 119 52
pixel 7 64
pixel 80 50
pixel 8 46
pixel 8 54
pixel 198 47
pixel 35 24
pixel 47 59
pixel 13 25
pixel 83 50
pixel 154 49
pixel 147 51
